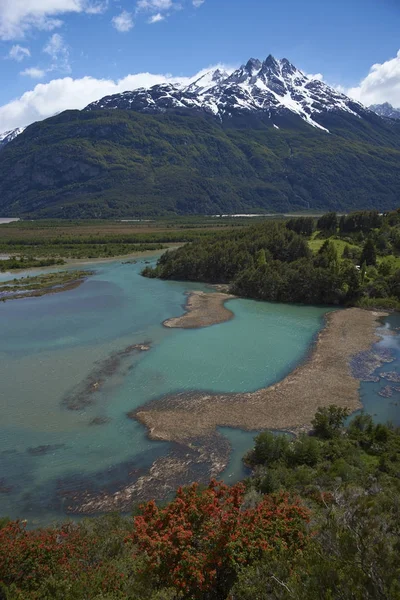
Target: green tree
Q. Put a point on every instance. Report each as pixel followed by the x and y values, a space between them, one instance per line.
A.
pixel 329 421
pixel 328 223
pixel 261 258
pixel 268 449
pixel 369 253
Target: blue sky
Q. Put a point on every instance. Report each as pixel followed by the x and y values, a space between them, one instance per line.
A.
pixel 63 50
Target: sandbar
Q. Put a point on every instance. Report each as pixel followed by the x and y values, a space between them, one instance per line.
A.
pixel 202 310
pixel 325 378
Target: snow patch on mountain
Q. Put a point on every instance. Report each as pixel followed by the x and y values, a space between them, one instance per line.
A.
pixel 8 136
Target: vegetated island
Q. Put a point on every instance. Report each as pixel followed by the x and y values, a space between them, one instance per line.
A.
pixel 202 310
pixel 325 378
pixel 41 285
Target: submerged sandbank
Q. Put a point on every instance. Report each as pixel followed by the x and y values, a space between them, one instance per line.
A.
pixel 202 310
pixel 325 378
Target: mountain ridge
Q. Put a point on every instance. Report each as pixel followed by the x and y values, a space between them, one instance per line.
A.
pixel 265 137
pixel 272 86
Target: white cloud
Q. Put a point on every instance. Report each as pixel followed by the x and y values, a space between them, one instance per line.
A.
pixel 156 18
pixel 18 53
pixel 123 22
pixel 317 76
pixel 155 5
pixel 34 72
pixel 19 16
pixel 57 49
pixel 47 99
pixel 198 3
pixel 97 8
pixel 55 45
pixel 382 84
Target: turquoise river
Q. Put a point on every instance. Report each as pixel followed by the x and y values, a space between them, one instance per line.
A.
pixel 50 345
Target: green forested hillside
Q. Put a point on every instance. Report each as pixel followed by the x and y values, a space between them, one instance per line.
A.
pixel 354 260
pixel 122 163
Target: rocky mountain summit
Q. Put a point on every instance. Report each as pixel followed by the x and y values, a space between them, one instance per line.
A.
pixel 273 87
pixel 386 110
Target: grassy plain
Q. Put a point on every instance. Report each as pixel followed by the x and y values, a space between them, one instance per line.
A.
pixel 316 243
pixel 105 239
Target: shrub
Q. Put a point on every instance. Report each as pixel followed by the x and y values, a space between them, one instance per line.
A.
pixel 199 541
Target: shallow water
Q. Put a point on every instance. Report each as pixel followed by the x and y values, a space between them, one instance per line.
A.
pixel 49 345
pixel 385 409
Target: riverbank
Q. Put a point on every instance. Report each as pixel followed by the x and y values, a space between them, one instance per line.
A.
pixel 325 378
pixel 145 255
pixel 202 310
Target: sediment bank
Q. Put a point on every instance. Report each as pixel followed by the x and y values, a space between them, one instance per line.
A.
pixel 202 310
pixel 325 378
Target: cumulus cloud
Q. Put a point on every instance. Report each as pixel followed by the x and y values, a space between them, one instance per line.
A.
pixel 156 18
pixel 18 53
pixel 123 22
pixel 382 84
pixel 34 72
pixel 47 99
pixel 19 16
pixel 198 3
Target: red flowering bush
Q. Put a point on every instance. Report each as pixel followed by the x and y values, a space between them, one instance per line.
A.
pixel 199 541
pixel 55 563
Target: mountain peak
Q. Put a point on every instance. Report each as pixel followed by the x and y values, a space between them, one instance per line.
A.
pixel 253 65
pixel 386 110
pixel 287 67
pixel 270 62
pixel 274 88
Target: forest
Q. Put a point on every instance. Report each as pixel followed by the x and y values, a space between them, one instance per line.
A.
pixel 349 260
pixel 318 519
pixel 114 163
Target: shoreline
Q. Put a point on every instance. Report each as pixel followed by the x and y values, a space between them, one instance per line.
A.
pixel 76 262
pixel 202 310
pixel 325 378
pixel 70 262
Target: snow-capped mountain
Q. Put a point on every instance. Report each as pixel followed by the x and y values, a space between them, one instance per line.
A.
pixel 386 110
pixel 273 87
pixel 8 136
